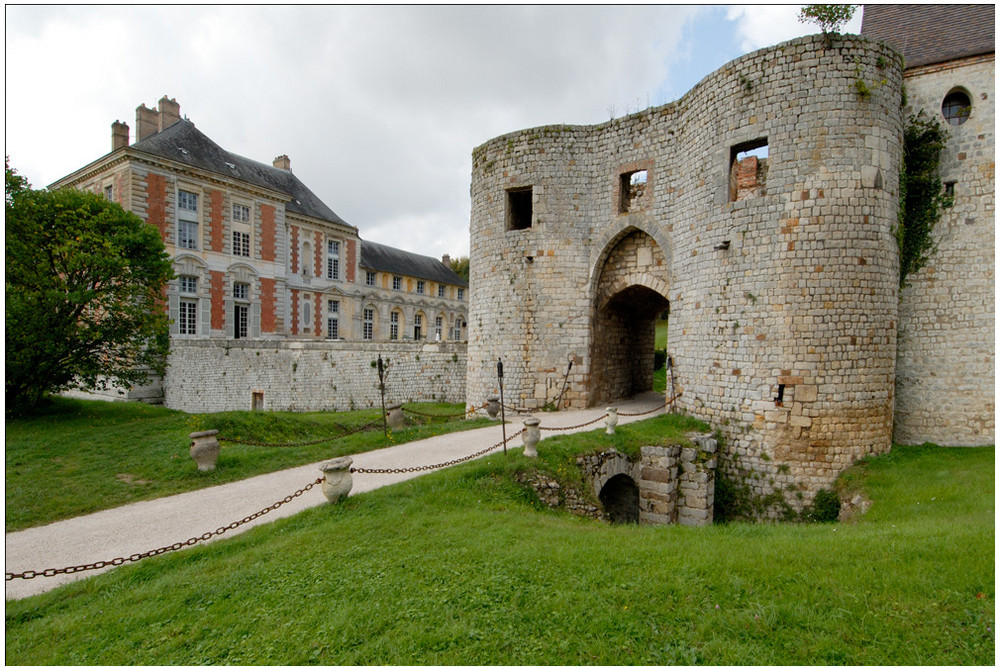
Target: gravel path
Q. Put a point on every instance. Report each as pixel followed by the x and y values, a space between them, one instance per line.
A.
pixel 147 525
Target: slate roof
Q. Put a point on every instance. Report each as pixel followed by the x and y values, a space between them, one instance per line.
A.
pixel 392 260
pixel 929 34
pixel 183 142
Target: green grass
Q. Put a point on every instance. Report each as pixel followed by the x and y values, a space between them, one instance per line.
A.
pixel 464 566
pixel 661 335
pixel 78 457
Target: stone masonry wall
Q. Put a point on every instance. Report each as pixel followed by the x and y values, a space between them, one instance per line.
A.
pixel 945 367
pixel 792 288
pixel 210 376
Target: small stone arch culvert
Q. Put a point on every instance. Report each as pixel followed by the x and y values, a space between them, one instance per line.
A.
pixel 668 484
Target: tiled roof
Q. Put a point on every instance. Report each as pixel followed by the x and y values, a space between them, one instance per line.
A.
pixel 928 34
pixel 183 142
pixel 392 260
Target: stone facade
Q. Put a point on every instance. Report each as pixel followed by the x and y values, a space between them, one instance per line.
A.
pixel 945 367
pixel 207 376
pixel 782 287
pixel 258 257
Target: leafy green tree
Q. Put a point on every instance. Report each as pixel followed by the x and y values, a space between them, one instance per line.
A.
pixel 84 293
pixel 829 18
pixel 461 267
pixel 14 185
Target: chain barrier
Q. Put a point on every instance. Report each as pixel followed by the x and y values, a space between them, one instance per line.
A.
pixel 118 561
pixel 446 416
pixel 368 426
pixel 431 467
pixel 585 424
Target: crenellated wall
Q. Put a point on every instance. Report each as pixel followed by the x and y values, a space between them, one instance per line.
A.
pixel 780 273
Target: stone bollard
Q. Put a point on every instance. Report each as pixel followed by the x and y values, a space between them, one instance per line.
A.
pixel 205 449
pixel 395 417
pixel 531 436
pixel 337 481
pixel 611 420
pixel 493 407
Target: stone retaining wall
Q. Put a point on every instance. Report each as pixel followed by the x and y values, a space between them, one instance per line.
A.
pixel 211 376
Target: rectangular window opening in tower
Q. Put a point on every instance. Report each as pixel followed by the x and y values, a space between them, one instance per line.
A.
pixel 748 165
pixel 519 208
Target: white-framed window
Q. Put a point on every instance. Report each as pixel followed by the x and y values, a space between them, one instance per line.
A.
pixel 187 314
pixel 438 328
pixel 368 324
pixel 241 213
pixel 421 287
pixel 188 285
pixel 109 193
pixel 457 334
pixel 418 326
pixel 333 259
pixel 461 294
pixel 394 325
pixel 332 319
pixel 241 243
pixel 187 317
pixel 397 282
pixel 370 278
pixel 441 291
pixel 187 220
pixel 241 310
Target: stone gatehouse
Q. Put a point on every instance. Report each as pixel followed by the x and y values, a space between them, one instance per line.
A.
pixel 759 209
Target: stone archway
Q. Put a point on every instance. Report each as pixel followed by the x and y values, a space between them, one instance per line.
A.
pixel 620 498
pixel 631 292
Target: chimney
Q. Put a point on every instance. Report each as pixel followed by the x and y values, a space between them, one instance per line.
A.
pixel 147 122
pixel 283 162
pixel 446 260
pixel 170 113
pixel 119 135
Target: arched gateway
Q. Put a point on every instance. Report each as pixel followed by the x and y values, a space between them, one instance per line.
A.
pixel 630 294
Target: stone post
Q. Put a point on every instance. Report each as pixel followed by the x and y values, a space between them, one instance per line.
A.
pixel 611 420
pixel 493 407
pixel 395 417
pixel 337 481
pixel 531 436
pixel 205 449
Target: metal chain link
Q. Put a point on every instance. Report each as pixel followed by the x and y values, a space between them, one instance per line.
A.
pixel 431 467
pixel 585 424
pixel 118 561
pixel 446 416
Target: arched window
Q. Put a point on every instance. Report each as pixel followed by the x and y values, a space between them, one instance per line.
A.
pixel 956 107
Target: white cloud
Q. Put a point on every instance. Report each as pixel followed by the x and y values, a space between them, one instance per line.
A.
pixel 763 25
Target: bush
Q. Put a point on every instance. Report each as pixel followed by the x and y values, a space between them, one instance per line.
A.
pixel 825 507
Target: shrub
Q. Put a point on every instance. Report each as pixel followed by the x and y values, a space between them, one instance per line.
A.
pixel 825 507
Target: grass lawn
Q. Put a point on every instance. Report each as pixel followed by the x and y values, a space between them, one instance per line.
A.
pixel 464 566
pixel 78 457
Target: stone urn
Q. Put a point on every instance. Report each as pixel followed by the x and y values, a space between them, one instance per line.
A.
pixel 611 420
pixel 493 407
pixel 531 436
pixel 337 481
pixel 205 449
pixel 395 418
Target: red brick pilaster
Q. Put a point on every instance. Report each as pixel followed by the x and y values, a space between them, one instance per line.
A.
pixel 352 260
pixel 319 319
pixel 218 291
pixel 267 233
pixel 294 234
pixel 156 203
pixel 267 306
pixel 295 312
pixel 216 224
pixel 318 249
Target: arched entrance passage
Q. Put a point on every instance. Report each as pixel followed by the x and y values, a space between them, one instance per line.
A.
pixel 620 498
pixel 630 296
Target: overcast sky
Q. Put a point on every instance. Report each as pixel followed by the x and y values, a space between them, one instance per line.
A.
pixel 378 108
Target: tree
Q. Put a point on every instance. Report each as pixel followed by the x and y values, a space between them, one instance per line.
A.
pixel 461 267
pixel 84 286
pixel 830 18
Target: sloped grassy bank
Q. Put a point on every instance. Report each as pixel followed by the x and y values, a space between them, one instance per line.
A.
pixel 465 566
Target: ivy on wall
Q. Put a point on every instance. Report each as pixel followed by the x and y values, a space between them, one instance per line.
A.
pixel 921 199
